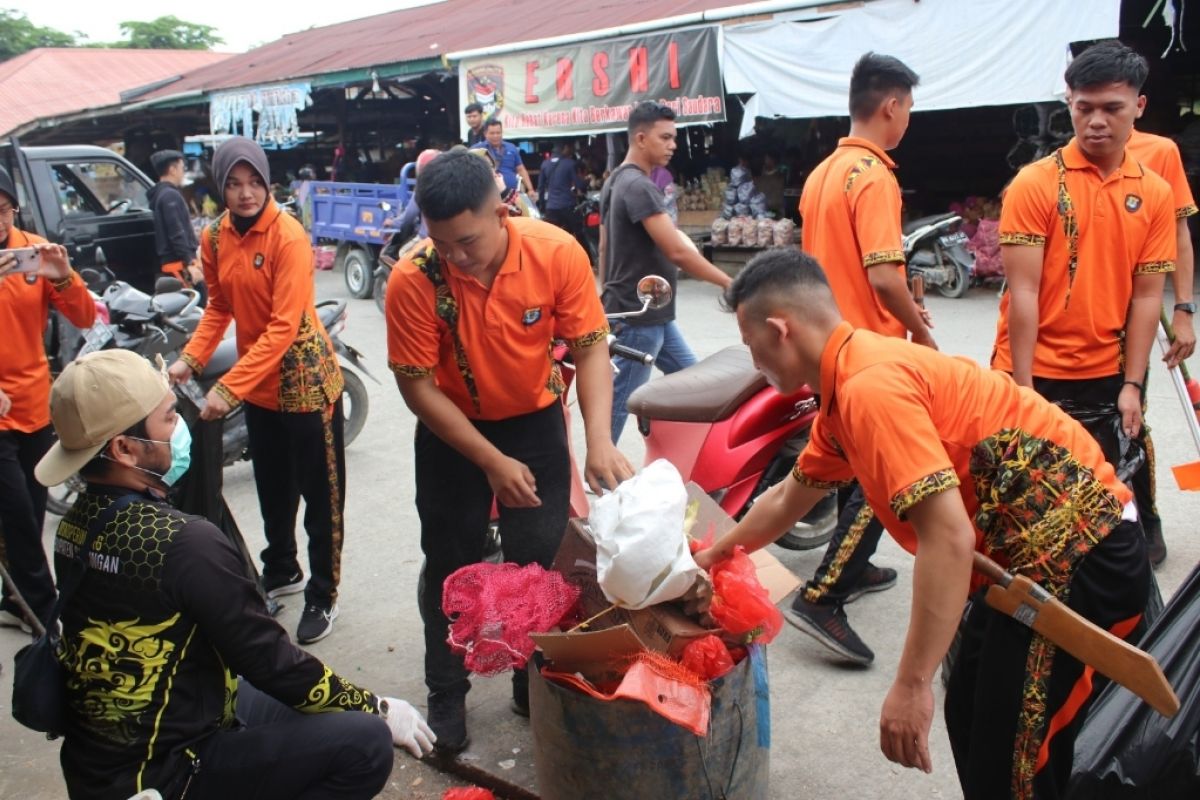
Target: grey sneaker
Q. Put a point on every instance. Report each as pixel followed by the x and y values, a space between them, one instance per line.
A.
pixel 316 622
pixel 280 585
pixel 874 579
pixel 829 626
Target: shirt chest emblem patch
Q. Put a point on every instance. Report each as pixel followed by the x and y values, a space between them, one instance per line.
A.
pixel 531 316
pixel 1132 203
pixel 259 260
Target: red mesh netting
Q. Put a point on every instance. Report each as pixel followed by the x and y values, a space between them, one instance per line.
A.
pixel 494 608
pixel 469 793
pixel 740 604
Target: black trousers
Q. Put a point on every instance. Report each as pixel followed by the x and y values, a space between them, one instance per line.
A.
pixel 849 551
pixel 301 455
pixel 454 501
pixel 277 752
pixel 1015 702
pixel 22 514
pixel 565 218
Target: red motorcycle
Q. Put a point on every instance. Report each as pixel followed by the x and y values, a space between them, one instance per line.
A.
pixel 726 429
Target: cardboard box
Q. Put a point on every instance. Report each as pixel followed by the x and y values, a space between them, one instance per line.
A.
pixel 601 652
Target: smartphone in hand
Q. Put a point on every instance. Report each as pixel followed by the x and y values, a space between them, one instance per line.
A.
pixel 28 259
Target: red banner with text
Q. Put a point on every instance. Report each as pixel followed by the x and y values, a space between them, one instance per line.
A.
pixel 590 87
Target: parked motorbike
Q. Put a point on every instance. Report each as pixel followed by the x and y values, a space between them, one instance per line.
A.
pixel 588 212
pixel 936 250
pixel 159 325
pixel 727 430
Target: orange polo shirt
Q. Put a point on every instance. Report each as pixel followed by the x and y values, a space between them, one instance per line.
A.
pixel 1161 156
pixel 851 212
pixel 264 281
pixel 24 311
pixel 908 422
pixel 496 363
pixel 1096 234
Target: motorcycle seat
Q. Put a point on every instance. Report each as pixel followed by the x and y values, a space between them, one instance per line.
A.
pixel 172 303
pixel 223 359
pixel 709 391
pixel 912 225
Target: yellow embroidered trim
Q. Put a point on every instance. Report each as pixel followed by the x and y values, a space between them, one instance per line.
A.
pixel 813 483
pixel 1154 267
pixel 409 371
pixel 588 339
pixel 860 168
pixel 1186 211
pixel 1030 239
pixel 883 257
pixel 1070 222
pixel 195 365
pixel 928 486
pixel 65 283
pixel 227 395
pixel 814 593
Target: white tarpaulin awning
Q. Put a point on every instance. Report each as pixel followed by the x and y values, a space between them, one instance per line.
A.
pixel 967 52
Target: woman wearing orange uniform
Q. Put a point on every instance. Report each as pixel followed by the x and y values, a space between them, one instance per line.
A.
pixel 259 268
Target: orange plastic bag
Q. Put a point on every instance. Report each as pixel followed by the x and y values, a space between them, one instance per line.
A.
pixel 740 604
pixel 708 657
pixel 469 793
pixel 669 690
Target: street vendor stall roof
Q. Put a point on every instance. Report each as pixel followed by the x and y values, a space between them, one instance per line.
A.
pixel 428 35
pixel 968 53
pixel 51 81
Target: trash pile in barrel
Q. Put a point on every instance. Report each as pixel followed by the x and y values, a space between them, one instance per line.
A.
pixel 625 612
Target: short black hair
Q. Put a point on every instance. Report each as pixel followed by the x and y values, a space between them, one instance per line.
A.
pixel 454 182
pixel 873 79
pixel 491 121
pixel 646 113
pixel 773 272
pixel 1106 62
pixel 162 161
pixel 473 108
pixel 98 466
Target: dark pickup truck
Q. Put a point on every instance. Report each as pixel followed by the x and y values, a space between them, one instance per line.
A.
pixel 92 201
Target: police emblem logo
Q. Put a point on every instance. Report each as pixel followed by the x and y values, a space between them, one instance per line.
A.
pixel 259 260
pixel 1132 203
pixel 531 316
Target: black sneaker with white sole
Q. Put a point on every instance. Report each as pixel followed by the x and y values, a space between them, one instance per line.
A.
pixel 874 579
pixel 316 622
pixel 280 585
pixel 829 626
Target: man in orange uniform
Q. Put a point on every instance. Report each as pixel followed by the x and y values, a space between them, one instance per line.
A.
pixel 1087 235
pixel 851 210
pixel 25 432
pixel 471 319
pixel 1161 155
pixel 953 458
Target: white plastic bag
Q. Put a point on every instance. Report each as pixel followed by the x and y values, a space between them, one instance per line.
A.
pixel 642 556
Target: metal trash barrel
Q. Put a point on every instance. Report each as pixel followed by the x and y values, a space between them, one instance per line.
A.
pixel 618 749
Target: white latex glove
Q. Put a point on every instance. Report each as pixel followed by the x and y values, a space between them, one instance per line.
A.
pixel 409 729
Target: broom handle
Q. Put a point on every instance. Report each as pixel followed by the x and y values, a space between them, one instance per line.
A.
pixel 1166 323
pixel 1189 412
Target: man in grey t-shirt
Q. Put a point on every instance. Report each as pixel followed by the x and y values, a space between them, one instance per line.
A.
pixel 637 238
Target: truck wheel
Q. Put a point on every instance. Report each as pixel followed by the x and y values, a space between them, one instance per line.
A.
pixel 355 405
pixel 359 274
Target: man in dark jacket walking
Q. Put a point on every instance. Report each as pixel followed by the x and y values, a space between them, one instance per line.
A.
pixel 174 238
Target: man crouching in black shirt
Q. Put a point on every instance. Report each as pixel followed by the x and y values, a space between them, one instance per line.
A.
pixel 166 621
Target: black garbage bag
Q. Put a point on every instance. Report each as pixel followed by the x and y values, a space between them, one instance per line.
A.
pixel 1103 422
pixel 1127 750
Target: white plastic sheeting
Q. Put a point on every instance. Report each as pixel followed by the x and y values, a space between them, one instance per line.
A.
pixel 967 52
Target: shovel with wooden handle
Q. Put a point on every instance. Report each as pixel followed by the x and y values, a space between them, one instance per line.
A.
pixel 1187 476
pixel 1031 605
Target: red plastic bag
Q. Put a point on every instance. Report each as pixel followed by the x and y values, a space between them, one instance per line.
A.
pixel 740 604
pixel 708 657
pixel 468 793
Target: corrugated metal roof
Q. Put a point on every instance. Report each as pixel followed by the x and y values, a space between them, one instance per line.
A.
pixel 421 33
pixel 52 81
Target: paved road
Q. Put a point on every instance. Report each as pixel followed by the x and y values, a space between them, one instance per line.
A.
pixel 825 716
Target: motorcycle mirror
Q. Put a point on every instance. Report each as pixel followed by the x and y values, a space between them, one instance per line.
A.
pixel 654 292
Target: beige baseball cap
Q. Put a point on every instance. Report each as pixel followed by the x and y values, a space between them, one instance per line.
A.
pixel 96 397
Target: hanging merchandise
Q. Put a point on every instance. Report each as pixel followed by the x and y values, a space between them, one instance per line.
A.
pixel 277 108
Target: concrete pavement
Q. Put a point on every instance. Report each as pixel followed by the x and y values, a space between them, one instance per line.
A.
pixel 824 714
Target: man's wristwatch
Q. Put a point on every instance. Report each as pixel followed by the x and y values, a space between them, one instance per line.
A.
pixel 1187 308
